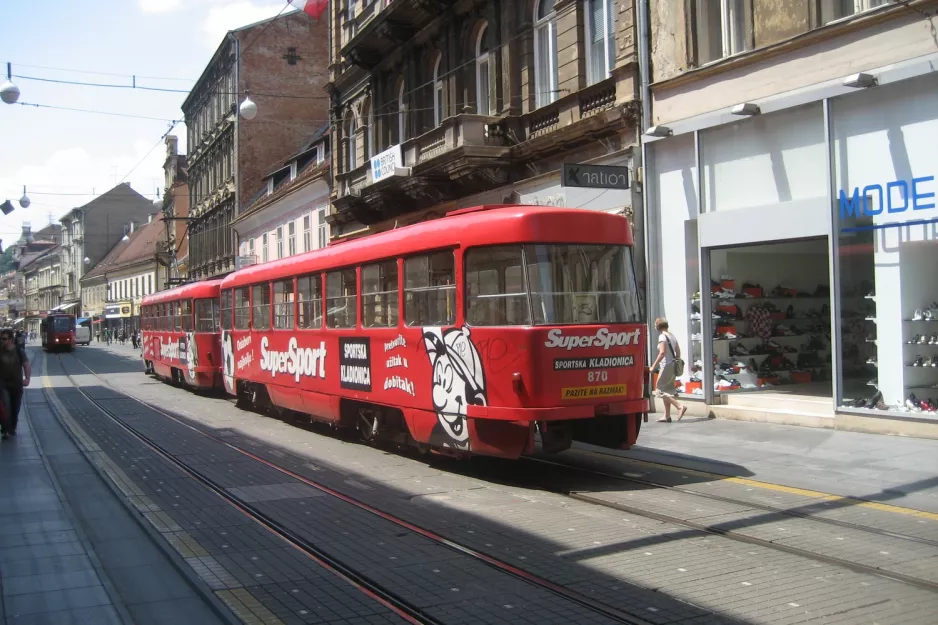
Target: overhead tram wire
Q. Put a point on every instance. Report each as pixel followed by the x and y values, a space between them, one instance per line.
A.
pixel 111 113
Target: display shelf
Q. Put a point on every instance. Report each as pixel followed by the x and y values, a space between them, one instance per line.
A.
pixel 932 345
pixel 922 320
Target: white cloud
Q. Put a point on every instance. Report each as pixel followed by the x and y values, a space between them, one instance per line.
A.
pixel 160 6
pixel 228 16
pixel 72 177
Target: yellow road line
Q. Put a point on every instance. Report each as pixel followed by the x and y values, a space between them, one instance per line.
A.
pixel 791 490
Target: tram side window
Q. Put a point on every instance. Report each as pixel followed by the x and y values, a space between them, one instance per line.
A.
pixel 495 291
pixel 205 319
pixel 226 310
pixel 216 323
pixel 261 300
pixel 379 295
pixel 309 296
pixel 283 305
pixel 186 308
pixel 430 290
pixel 176 315
pixel 341 299
pixel 242 309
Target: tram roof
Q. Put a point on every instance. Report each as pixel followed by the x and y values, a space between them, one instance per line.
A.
pixel 193 290
pixel 470 227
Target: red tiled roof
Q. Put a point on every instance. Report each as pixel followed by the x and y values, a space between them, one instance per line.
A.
pixel 142 245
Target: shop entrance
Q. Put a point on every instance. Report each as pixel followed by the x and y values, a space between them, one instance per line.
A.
pixel 769 321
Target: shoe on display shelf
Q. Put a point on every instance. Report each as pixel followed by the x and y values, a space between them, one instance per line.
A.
pixel 698 391
pixel 695 297
pixel 933 362
pixel 874 382
pixel 915 339
pixel 929 316
pixel 917 315
pixel 698 364
pixel 695 316
pixel 923 340
pixel 872 361
pixel 917 362
pixel 933 339
pixel 912 403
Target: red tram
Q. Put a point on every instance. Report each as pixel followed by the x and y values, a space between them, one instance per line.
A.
pixel 465 334
pixel 57 331
pixel 181 340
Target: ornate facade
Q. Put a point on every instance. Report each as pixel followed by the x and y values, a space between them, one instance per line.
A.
pixel 477 96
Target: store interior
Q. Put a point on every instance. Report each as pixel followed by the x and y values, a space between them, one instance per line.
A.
pixel 770 310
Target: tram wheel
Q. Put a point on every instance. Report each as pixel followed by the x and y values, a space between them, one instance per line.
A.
pixel 369 423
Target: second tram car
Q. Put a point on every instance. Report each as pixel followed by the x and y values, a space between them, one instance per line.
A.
pixel 181 340
pixel 57 331
pixel 466 334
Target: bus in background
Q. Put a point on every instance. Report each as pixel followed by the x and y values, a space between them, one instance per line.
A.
pixel 83 331
pixel 57 331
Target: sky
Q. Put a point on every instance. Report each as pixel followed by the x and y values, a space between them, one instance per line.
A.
pixel 64 157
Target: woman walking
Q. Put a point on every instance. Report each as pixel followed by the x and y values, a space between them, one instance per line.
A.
pixel 668 352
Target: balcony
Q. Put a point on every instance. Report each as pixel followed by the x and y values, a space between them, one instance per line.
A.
pixel 574 120
pixel 379 26
pixel 464 155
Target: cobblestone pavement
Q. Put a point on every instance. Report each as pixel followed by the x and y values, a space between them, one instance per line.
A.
pixel 627 560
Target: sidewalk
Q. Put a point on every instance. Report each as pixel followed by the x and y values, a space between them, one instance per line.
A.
pixel 891 469
pixel 71 550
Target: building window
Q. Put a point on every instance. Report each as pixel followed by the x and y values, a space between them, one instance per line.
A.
pixel 483 67
pixel 401 114
pixel 291 238
pixel 251 247
pixel 600 39
pixel 838 9
pixel 279 241
pixel 545 53
pixel 322 228
pixel 307 233
pixel 351 142
pixel 264 255
pixel 720 29
pixel 438 113
pixel 369 134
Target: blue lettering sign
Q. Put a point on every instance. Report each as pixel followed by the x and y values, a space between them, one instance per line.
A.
pixel 904 196
pixel 850 207
pixel 870 210
pixel 916 195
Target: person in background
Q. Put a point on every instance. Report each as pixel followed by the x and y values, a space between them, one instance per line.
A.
pixel 15 372
pixel 668 350
pixel 133 339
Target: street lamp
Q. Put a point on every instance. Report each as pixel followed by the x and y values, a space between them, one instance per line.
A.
pixel 9 92
pixel 248 109
pixel 87 260
pixel 24 201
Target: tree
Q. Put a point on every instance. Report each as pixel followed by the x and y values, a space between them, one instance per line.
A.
pixel 6 260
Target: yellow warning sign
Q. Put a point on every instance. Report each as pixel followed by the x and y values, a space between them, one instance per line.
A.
pixel 586 392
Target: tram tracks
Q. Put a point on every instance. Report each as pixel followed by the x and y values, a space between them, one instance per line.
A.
pixel 739 536
pixel 407 610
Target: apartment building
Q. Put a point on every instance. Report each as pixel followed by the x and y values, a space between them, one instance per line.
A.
pixel 442 104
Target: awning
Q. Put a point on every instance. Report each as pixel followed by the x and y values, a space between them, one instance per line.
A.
pixel 82 319
pixel 65 306
pixel 20 320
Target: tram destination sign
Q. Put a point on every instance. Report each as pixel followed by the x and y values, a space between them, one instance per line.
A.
pixel 595 176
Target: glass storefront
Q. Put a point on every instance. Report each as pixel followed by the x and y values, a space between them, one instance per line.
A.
pixel 801 260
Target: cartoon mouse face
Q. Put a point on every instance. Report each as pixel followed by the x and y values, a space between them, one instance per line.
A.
pixel 228 367
pixel 458 380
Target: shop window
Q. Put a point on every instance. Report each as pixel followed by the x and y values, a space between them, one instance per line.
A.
pixel 205 315
pixel 185 308
pixel 832 10
pixel 430 290
pixel 283 305
pixel 721 29
pixel 600 39
pixel 495 289
pixel 545 53
pixel 260 303
pixel 242 308
pixel 226 310
pixel 379 295
pixel 341 299
pixel 309 298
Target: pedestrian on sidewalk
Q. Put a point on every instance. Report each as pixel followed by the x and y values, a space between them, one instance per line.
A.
pixel 133 339
pixel 15 372
pixel 669 357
